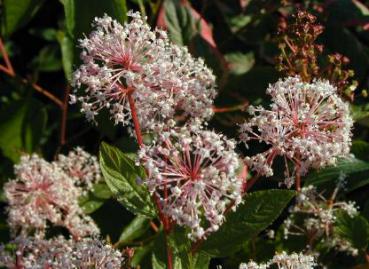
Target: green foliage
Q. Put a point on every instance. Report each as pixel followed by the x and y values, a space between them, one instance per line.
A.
pixel 180 247
pixel 258 211
pixel 356 169
pixel 95 198
pixel 79 14
pixel 136 228
pixel 23 124
pixel 16 14
pixel 354 229
pixel 123 177
pixel 179 21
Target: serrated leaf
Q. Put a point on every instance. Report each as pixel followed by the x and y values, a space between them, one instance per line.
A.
pixel 329 175
pixel 258 211
pixel 353 229
pixel 16 14
pixel 121 174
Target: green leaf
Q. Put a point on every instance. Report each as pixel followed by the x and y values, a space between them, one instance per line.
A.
pixel 180 23
pixel 22 126
pixel 95 198
pixel 180 247
pixel 47 60
pixel 355 230
pixel 79 14
pixel 360 149
pixel 121 174
pixel 236 23
pixel 349 167
pixel 67 51
pixel 359 113
pixel 16 13
pixel 240 63
pixel 138 226
pixel 258 211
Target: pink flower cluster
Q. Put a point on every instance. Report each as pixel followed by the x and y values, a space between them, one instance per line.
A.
pixel 44 192
pixel 284 261
pixel 59 253
pixel 307 124
pixel 163 79
pixel 194 173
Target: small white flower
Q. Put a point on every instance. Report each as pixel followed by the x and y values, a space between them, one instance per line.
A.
pixel 307 124
pixel 132 59
pixel 193 171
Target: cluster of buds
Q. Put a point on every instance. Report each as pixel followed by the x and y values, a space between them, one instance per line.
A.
pixel 299 54
pixel 45 192
pixel 59 253
pixel 314 216
pixel 194 173
pixel 134 65
pixel 308 124
pixel 284 261
pixel 297 44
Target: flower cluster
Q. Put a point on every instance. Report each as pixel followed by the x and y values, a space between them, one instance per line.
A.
pixel 314 215
pixel 59 253
pixel 44 192
pixel 307 124
pixel 81 166
pixel 284 261
pixel 134 62
pixel 193 172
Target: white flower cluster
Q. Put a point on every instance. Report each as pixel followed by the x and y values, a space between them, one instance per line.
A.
pixel 44 192
pixel 194 174
pixel 319 217
pixel 59 253
pixel 284 261
pixel 81 166
pixel 307 124
pixel 163 79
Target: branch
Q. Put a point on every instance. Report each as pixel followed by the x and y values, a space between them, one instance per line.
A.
pixel 35 86
pixel 9 70
pixel 63 125
pixel 6 58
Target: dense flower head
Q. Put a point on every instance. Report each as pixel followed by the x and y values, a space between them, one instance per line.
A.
pixel 314 214
pixel 43 193
pixel 59 253
pixel 284 261
pixel 81 166
pixel 194 174
pixel 132 59
pixel 307 123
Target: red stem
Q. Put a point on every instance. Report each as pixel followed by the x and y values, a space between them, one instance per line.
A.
pixel 6 58
pixel 298 177
pixel 136 123
pixel 164 220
